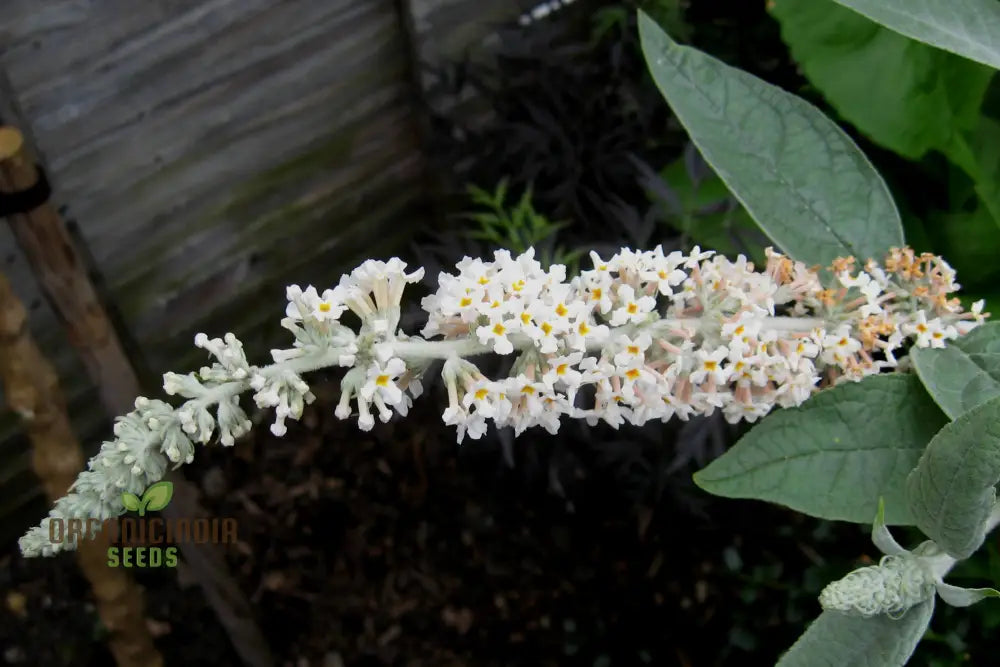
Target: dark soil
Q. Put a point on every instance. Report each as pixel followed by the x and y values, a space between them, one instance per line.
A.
pixel 398 547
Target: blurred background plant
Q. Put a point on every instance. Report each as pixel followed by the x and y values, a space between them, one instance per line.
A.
pixel 517 227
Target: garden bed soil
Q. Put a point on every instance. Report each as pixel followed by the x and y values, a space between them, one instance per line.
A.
pixel 397 547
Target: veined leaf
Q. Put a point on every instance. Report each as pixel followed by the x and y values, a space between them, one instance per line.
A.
pixel 804 182
pixel 951 491
pixel 970 28
pixel 833 456
pixel 835 639
pixel 964 374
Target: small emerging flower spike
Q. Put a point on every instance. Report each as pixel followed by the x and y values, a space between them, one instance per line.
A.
pixel 901 580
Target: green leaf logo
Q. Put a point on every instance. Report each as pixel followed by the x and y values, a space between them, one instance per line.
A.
pixel 156 497
pixel 130 501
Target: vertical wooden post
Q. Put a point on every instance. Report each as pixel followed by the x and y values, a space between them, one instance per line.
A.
pixel 32 390
pixel 59 268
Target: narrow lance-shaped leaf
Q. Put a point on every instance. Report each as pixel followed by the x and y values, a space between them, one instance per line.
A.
pixel 957 596
pixel 951 491
pixel 833 456
pixel 835 639
pixel 881 536
pixel 970 28
pixel 801 178
pixel 964 374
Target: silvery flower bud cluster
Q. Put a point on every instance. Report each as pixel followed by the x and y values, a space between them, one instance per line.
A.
pixel 891 587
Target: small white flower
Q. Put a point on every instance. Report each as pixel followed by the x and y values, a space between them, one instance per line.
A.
pixel 631 309
pixel 495 334
pixel 632 351
pixel 561 371
pixel 710 365
pixel 381 381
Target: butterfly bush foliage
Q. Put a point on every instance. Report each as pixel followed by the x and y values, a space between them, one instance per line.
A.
pixel 928 443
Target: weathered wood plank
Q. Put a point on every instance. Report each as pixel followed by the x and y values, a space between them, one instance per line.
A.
pixel 211 151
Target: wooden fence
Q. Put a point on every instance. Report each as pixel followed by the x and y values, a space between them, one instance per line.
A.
pixel 209 152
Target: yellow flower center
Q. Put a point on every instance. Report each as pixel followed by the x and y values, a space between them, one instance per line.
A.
pixel 518 285
pixel 583 329
pixel 484 281
pixel 632 309
pixel 324 307
pixel 596 294
pixel 527 389
pixel 382 381
pixel 561 369
pixel 633 349
pixel 481 394
pixel 711 365
pixel 525 317
pixel 498 329
pixel 547 328
pixel 465 302
pixel 632 374
pixel 561 310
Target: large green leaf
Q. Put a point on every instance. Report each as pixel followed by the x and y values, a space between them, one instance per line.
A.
pixel 964 374
pixel 951 491
pixel 971 243
pixel 903 94
pixel 838 640
pixel 803 180
pixel 970 28
pixel 978 153
pixel 833 456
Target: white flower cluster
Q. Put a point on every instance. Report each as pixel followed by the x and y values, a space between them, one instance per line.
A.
pixel 639 336
pixel 649 335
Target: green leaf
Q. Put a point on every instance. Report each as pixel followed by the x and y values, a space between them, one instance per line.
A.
pixel 835 639
pixel 981 146
pixel 964 374
pixel 951 491
pixel 130 501
pixel 903 94
pixel 970 28
pixel 157 496
pixel 971 242
pixel 881 536
pixel 957 596
pixel 833 456
pixel 806 184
